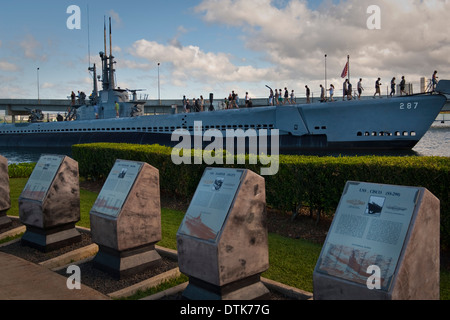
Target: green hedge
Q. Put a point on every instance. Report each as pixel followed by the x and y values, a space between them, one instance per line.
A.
pixel 316 182
pixel 21 170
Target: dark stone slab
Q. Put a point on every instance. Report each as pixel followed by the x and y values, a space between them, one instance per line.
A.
pixel 5 221
pixel 50 239
pixel 124 264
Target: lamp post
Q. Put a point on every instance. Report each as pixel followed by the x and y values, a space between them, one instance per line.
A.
pixel 159 86
pixel 326 86
pixel 39 100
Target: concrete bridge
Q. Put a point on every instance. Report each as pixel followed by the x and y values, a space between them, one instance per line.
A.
pixel 22 107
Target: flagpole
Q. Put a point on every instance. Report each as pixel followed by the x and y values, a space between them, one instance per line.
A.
pixel 348 63
pixel 326 76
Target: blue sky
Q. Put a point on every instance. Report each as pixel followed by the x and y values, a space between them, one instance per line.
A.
pixel 220 45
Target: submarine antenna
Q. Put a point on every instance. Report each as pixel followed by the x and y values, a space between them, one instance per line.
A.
pixel 89 37
pixel 104 30
pixel 92 70
pixel 110 37
pixel 112 84
pixel 104 56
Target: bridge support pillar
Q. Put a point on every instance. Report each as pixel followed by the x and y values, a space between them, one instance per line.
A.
pixel 11 113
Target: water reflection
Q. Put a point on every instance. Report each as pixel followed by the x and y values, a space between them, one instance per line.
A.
pixel 436 142
pixel 23 155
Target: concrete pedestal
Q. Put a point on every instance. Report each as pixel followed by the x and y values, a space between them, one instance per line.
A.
pixel 5 222
pixel 123 264
pixel 50 239
pixel 250 288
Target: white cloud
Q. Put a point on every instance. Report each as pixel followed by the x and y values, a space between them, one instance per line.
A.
pixel 295 38
pixel 175 41
pixel 32 48
pixel 115 18
pixel 130 64
pixel 48 85
pixel 7 66
pixel 190 63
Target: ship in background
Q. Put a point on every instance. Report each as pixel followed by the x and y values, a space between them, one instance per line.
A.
pixel 377 124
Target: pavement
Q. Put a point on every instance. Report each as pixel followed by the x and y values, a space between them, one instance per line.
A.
pixel 23 280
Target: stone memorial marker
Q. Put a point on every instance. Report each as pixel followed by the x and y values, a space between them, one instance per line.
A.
pixel 223 240
pixel 5 200
pixel 49 205
pixel 384 243
pixel 126 220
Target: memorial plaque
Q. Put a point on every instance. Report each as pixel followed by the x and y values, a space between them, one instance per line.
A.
pixel 5 199
pixel 211 203
pixel 49 205
pixel 43 175
pixel 126 220
pixel 372 227
pixel 117 187
pixel 223 241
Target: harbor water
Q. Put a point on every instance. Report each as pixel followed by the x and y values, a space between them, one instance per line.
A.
pixel 435 143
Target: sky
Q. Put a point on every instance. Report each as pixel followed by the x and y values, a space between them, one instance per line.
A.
pixel 216 46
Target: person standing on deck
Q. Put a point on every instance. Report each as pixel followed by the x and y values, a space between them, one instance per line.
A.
pixel 271 97
pixel 345 90
pixel 360 88
pixel 402 86
pixel 331 93
pixel 292 97
pixel 434 80
pixel 117 107
pixel 392 87
pixel 377 88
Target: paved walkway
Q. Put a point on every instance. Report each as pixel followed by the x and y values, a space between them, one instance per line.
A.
pixel 23 280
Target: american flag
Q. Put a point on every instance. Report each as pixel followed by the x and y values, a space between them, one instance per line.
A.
pixel 345 72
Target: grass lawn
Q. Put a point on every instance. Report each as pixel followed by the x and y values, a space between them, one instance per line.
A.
pixel 292 261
